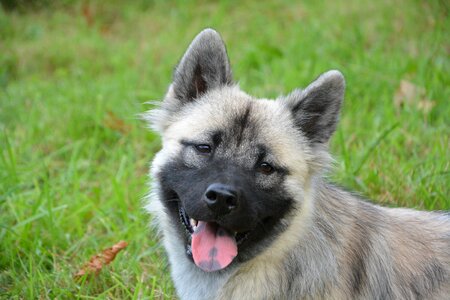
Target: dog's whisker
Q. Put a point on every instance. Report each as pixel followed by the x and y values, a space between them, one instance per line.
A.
pixel 172 200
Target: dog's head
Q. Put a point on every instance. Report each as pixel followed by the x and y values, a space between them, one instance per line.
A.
pixel 233 168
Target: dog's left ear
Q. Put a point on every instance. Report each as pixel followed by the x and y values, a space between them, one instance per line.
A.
pixel 316 108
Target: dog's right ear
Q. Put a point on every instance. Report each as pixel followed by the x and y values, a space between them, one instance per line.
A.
pixel 203 67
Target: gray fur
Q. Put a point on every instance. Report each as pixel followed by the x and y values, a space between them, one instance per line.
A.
pixel 330 244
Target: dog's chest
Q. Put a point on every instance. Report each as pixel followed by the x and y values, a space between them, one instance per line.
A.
pixel 193 283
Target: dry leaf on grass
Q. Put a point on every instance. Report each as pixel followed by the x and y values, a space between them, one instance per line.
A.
pixel 426 105
pixel 87 14
pixel 412 95
pixel 97 262
pixel 112 121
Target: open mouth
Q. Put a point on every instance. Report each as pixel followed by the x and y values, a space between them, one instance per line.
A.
pixel 213 247
pixel 191 224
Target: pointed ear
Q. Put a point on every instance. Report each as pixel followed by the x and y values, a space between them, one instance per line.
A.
pixel 204 66
pixel 316 108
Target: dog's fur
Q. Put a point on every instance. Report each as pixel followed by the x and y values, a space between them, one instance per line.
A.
pixel 308 239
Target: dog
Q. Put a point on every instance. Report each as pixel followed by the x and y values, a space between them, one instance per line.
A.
pixel 239 196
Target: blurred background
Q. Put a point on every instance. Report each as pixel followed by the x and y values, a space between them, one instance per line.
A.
pixel 74 155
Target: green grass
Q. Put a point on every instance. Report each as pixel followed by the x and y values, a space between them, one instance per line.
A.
pixel 74 155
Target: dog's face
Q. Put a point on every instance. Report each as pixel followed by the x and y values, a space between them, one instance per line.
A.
pixel 233 169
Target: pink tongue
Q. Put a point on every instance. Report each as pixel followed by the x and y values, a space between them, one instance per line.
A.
pixel 213 248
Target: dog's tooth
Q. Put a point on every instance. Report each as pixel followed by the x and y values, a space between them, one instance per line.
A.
pixel 193 222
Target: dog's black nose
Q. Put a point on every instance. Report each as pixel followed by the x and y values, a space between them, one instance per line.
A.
pixel 221 198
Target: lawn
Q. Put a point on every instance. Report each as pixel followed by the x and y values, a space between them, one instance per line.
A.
pixel 74 154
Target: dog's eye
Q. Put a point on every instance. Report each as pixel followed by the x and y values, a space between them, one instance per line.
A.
pixel 203 148
pixel 265 168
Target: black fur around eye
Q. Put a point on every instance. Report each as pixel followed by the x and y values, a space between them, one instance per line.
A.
pixel 203 148
pixel 265 168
